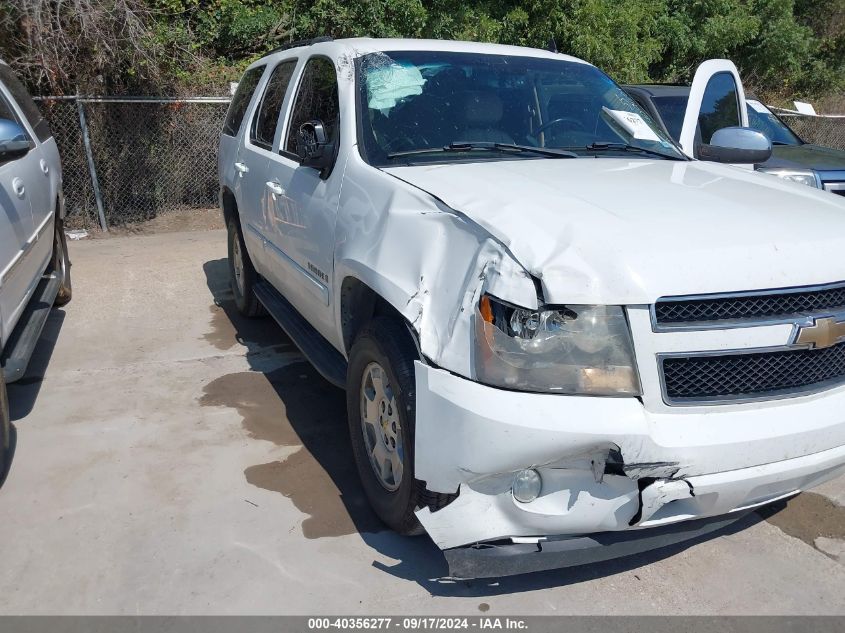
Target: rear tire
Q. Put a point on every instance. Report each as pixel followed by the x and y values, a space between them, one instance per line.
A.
pixel 5 427
pixel 242 275
pixel 61 264
pixel 380 402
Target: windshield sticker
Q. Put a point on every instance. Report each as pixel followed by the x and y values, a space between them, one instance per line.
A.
pixel 388 84
pixel 757 106
pixel 631 124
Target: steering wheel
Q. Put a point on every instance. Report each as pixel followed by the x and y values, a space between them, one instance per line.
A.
pixel 576 124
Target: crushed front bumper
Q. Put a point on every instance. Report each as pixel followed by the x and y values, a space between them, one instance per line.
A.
pixel 607 465
pixel 487 560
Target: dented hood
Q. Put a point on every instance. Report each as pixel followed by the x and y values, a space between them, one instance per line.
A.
pixel 627 231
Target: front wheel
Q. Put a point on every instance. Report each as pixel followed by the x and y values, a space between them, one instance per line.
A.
pixel 380 402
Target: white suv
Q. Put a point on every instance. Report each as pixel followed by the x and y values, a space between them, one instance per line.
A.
pixel 34 265
pixel 561 338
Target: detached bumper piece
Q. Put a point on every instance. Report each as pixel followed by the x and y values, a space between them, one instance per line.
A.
pixel 485 560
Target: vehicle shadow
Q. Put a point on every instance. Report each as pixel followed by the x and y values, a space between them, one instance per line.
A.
pixel 24 392
pixel 321 479
pixel 302 409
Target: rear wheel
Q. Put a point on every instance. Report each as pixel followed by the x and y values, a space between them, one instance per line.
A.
pixel 61 263
pixel 380 400
pixel 242 275
pixel 5 430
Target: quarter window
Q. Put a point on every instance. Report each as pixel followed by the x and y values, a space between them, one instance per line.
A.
pixel 241 100
pixel 317 99
pixel 719 106
pixel 267 118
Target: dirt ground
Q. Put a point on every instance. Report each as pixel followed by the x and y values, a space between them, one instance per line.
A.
pixel 179 220
pixel 172 457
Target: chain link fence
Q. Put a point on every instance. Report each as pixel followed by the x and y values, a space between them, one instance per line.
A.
pixel 149 156
pixel 152 155
pixel 821 130
pixel 79 194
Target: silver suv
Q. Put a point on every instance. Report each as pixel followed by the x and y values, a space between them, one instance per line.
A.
pixel 34 265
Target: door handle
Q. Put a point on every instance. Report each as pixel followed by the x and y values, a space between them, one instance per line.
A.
pixel 18 188
pixel 275 188
pixel 45 167
pixel 241 167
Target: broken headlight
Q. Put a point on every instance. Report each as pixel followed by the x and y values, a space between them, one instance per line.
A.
pixel 578 349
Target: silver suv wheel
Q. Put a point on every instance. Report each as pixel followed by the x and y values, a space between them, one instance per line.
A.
pixel 381 427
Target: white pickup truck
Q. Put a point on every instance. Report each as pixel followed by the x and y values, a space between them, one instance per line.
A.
pixel 562 339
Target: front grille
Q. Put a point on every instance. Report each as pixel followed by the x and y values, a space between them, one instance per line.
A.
pixel 759 374
pixel 771 305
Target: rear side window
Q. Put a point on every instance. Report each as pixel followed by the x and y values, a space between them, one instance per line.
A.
pixel 25 103
pixel 317 99
pixel 267 117
pixel 241 100
pixel 719 106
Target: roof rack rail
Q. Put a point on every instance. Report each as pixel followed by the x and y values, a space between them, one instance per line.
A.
pixel 298 43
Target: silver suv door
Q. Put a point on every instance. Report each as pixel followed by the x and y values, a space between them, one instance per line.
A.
pixel 19 271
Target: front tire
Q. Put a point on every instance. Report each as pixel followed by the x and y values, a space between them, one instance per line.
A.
pixel 242 275
pixel 380 402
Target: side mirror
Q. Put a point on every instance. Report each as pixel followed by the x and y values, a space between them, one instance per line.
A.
pixel 312 145
pixel 13 140
pixel 737 145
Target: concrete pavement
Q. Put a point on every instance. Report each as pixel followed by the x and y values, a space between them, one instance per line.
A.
pixel 173 458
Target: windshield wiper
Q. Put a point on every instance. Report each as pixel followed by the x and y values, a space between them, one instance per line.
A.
pixel 462 146
pixel 627 147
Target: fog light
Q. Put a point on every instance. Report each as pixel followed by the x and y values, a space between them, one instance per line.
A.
pixel 527 485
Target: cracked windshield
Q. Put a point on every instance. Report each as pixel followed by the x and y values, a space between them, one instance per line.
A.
pixel 435 106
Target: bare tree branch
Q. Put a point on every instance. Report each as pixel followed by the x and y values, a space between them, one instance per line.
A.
pixel 61 44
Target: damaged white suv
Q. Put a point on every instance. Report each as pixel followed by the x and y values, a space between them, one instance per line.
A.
pixel 562 340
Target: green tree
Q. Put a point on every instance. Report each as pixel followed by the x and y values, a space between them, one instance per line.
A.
pixel 783 48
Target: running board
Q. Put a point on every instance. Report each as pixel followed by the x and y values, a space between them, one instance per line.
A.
pixel 25 336
pixel 319 352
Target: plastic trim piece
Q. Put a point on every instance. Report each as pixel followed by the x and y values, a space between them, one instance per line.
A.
pixel 485 560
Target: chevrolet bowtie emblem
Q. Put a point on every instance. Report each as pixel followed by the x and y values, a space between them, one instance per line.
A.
pixel 825 332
